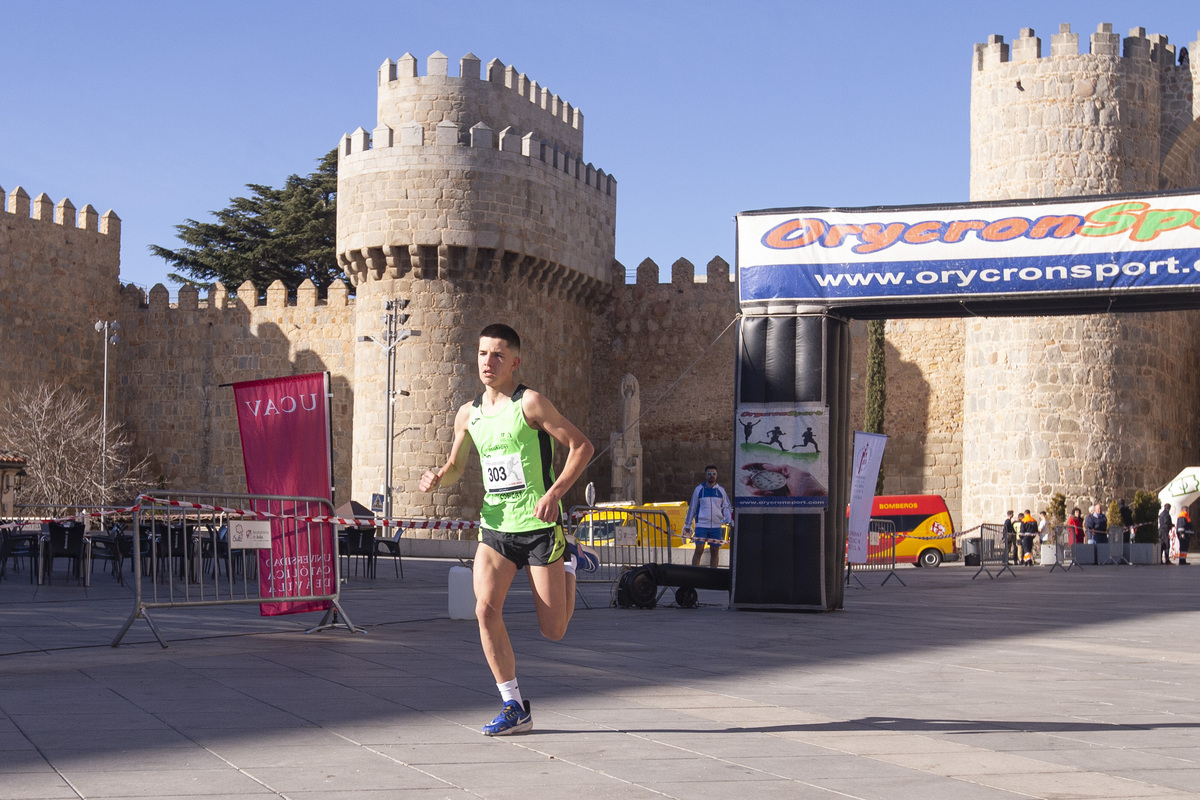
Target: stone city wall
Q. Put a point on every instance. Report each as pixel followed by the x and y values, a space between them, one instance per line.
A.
pixel 655 331
pixel 58 269
pixel 174 358
pixel 923 415
pixel 439 371
pixel 1092 406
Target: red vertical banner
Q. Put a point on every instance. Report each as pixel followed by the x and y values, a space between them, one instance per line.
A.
pixel 285 430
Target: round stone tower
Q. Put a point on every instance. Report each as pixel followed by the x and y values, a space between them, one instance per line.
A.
pixel 471 200
pixel 1093 406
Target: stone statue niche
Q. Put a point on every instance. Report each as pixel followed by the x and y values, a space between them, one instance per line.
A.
pixel 626 446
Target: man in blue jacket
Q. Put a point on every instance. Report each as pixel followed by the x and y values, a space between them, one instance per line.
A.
pixel 709 510
pixel 1096 525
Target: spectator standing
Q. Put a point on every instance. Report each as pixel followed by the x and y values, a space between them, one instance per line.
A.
pixel 1075 525
pixel 709 510
pixel 1043 537
pixel 1010 539
pixel 1164 534
pixel 1183 529
pixel 1096 525
pixel 1028 534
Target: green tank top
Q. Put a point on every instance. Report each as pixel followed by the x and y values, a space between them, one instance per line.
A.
pixel 517 462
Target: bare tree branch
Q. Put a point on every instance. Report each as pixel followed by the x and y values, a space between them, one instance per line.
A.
pixel 58 435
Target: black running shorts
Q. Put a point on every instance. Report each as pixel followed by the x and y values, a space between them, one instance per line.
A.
pixel 533 548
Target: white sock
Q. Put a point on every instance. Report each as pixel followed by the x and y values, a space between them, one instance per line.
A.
pixel 510 691
pixel 569 566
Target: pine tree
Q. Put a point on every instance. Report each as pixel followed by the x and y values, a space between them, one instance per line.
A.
pixel 876 385
pixel 287 234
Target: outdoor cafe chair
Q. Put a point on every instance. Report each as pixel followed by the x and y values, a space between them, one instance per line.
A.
pixel 18 545
pixel 108 547
pixel 179 545
pixel 389 548
pixel 360 546
pixel 65 541
pixel 214 547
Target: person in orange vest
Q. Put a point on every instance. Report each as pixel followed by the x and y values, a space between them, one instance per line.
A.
pixel 1028 534
pixel 1183 529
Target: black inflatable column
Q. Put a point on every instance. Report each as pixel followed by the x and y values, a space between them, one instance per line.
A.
pixel 795 560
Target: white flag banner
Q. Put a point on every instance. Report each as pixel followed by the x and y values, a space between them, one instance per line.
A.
pixel 868 454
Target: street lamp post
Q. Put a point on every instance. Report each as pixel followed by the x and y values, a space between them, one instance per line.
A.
pixel 105 326
pixel 393 334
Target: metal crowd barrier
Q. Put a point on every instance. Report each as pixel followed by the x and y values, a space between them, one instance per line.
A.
pixel 621 538
pixel 188 551
pixel 881 553
pixel 996 548
pixel 1063 538
pixel 1114 553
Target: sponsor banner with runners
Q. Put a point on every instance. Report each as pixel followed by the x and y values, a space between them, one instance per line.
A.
pixel 781 460
pixel 285 432
pixel 1148 244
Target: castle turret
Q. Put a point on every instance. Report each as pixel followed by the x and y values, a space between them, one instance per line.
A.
pixel 471 199
pixel 1094 406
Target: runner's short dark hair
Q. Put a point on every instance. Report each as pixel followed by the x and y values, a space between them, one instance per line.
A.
pixel 713 467
pixel 498 330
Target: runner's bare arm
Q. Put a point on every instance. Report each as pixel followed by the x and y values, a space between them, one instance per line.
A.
pixel 541 414
pixel 452 470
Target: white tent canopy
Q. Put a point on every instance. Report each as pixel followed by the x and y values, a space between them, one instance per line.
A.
pixel 1183 489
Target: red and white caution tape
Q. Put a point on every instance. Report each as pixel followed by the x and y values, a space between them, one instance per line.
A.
pixel 419 524
pixel 107 512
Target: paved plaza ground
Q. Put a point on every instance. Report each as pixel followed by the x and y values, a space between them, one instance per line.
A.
pixel 1039 684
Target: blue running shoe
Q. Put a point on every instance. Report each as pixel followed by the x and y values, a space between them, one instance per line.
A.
pixel 511 719
pixel 585 560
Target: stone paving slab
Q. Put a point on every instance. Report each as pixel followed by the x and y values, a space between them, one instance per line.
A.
pixel 1055 685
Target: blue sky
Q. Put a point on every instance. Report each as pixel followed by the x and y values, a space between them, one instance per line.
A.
pixel 163 111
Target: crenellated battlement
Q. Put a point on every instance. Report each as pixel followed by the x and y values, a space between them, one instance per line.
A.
pixel 716 275
pixel 1137 47
pixel 18 203
pixel 403 72
pixel 409 141
pixel 500 98
pixel 245 296
pixel 1037 117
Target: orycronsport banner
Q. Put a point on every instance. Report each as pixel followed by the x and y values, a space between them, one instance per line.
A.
pixel 284 424
pixel 868 455
pixel 1145 244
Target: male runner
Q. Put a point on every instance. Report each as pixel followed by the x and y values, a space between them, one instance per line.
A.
pixel 514 428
